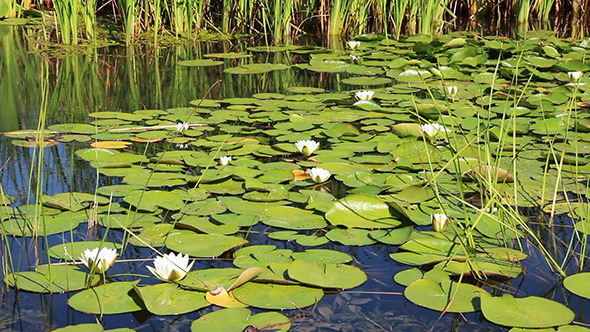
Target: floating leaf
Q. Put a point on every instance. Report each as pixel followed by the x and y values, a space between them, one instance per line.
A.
pixel 73 250
pixel 150 200
pixel 112 298
pixel 278 296
pixel 527 312
pixel 169 299
pixel 51 279
pixel 437 295
pixel 578 284
pixel 361 211
pixel 292 218
pixel 239 319
pixel 326 275
pixel 202 245
pixel 199 63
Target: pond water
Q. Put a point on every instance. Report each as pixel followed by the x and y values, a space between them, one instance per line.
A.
pixel 308 94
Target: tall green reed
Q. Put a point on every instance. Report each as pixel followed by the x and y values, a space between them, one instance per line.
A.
pixel 66 12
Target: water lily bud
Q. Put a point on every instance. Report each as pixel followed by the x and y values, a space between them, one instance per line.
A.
pixel 440 221
pixel 225 160
pixel 452 91
pixel 171 267
pixel 319 175
pixel 99 260
pixel 353 44
pixel 364 95
pixel 574 76
pixel 182 126
pixel 307 147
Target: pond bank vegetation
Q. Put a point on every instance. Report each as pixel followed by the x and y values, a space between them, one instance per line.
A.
pixel 280 21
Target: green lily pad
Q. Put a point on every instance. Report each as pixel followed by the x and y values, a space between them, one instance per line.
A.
pixel 406 277
pixel 361 211
pixel 326 275
pixel 239 319
pixel 351 236
pixel 132 220
pixel 46 225
pixel 278 297
pixel 199 63
pixel 169 299
pixel 527 312
pixel 154 236
pixel 73 250
pixel 437 295
pixel 323 256
pixel 578 284
pixel 150 200
pixel 202 224
pixel 367 80
pixel 292 218
pixel 73 201
pixel 51 279
pixel 112 298
pixel 204 208
pixel 210 279
pixel 202 245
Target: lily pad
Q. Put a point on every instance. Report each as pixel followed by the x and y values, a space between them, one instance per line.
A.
pixel 169 299
pixel 578 284
pixel 239 319
pixel 202 245
pixel 112 298
pixel 51 279
pixel 527 312
pixel 437 295
pixel 278 297
pixel 292 218
pixel 361 211
pixel 326 275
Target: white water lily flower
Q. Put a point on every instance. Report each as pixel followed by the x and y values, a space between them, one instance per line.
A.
pixel 171 267
pixel 319 175
pixel 182 126
pixel 364 95
pixel 432 129
pixel 355 57
pixel 99 260
pixel 353 44
pixel 307 147
pixel 225 160
pixel 574 76
pixel 452 91
pixel 440 221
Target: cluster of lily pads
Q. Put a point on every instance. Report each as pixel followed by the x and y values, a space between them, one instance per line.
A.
pixel 434 160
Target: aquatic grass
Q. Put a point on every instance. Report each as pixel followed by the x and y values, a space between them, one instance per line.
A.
pixel 66 12
pixel 280 22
